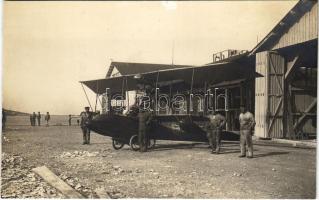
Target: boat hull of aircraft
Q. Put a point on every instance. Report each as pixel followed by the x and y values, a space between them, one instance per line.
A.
pixel 124 129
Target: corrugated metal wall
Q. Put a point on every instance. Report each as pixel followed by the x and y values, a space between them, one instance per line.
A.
pixel 305 29
pixel 260 95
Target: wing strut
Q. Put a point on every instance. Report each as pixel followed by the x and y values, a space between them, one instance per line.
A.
pixel 123 82
pixel 155 108
pixel 97 95
pixel 128 95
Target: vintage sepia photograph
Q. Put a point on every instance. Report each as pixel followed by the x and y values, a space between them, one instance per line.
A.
pixel 159 99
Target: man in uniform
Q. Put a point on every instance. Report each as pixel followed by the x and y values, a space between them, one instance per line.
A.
pixel 34 116
pixel 39 119
pixel 144 117
pixel 247 123
pixel 86 117
pixel 47 118
pixel 31 119
pixel 144 126
pixel 214 130
pixel 4 119
pixel 70 117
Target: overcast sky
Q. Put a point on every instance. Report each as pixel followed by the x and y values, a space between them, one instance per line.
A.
pixel 50 46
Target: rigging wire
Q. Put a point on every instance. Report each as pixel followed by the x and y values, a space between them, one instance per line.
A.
pixel 156 92
pixel 87 98
pixel 97 94
pixel 191 87
pixel 122 103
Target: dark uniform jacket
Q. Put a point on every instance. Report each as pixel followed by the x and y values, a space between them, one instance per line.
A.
pixel 47 117
pixel 216 121
pixel 86 117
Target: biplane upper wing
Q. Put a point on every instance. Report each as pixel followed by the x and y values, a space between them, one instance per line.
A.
pixel 211 74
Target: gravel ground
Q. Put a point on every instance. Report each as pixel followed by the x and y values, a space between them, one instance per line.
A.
pixel 170 170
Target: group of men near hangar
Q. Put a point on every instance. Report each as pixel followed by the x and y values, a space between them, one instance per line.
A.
pixel 214 126
pixel 214 131
pixel 217 123
pixel 37 117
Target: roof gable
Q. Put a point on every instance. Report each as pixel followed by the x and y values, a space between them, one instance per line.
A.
pixel 126 68
pixel 303 16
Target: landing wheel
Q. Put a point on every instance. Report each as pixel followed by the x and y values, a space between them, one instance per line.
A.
pixel 117 144
pixel 151 143
pixel 134 143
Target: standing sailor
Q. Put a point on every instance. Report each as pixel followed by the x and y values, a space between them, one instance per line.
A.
pixel 70 117
pixel 145 117
pixel 215 127
pixel 31 119
pixel 144 127
pixel 34 116
pixel 247 123
pixel 47 118
pixel 4 119
pixel 39 119
pixel 86 117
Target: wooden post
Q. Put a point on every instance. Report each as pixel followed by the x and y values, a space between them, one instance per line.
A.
pixel 57 183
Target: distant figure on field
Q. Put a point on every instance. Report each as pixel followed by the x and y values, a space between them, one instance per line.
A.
pixel 4 119
pixel 78 121
pixel 47 118
pixel 39 119
pixel 86 117
pixel 31 119
pixel 70 117
pixel 34 116
pixel 247 124
pixel 215 127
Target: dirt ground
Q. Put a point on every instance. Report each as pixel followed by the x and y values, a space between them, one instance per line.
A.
pixel 170 170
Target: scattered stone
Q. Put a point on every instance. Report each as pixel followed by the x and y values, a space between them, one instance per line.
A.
pixel 78 154
pixel 237 174
pixel 64 177
pixel 78 186
pixel 18 181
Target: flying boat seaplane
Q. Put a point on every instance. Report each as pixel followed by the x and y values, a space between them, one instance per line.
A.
pixel 179 97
